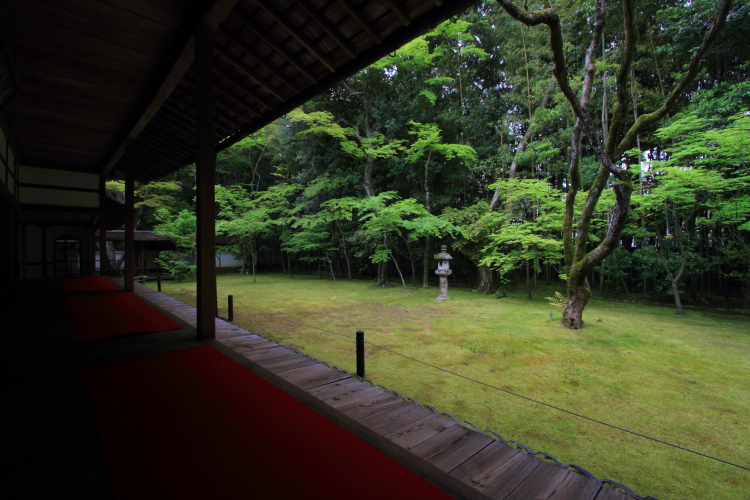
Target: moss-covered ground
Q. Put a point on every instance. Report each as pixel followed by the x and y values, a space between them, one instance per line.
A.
pixel 682 379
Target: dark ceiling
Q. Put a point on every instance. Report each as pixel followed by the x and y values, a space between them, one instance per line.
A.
pixel 92 73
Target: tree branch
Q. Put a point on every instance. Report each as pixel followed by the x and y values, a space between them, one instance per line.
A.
pixel 621 106
pixel 560 70
pixel 693 68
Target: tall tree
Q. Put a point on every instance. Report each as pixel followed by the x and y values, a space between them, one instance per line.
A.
pixel 579 259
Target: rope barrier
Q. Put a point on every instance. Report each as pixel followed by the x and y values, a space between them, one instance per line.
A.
pixel 512 394
pixel 467 423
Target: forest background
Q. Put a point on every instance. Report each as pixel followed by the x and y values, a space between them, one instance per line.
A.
pixel 463 137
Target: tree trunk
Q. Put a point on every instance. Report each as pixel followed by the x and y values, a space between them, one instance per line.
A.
pixel 485 279
pixel 330 266
pixel 528 279
pixel 400 274
pixel 426 262
pixel 254 258
pixel 578 296
pixel 383 268
pixel 676 292
pixel 346 253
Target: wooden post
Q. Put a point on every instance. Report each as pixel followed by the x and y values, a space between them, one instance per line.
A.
pixel 360 353
pixel 129 216
pixel 205 166
pixel 230 308
pixel 44 251
pixel 158 282
pixel 103 258
pixel 24 250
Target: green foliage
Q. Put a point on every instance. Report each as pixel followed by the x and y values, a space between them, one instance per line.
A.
pixel 529 227
pixel 181 230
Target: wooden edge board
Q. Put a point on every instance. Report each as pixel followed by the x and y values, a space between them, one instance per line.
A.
pixel 541 483
pixel 411 435
pixel 427 471
pixel 290 365
pixel 460 451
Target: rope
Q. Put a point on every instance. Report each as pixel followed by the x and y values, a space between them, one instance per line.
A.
pixel 512 394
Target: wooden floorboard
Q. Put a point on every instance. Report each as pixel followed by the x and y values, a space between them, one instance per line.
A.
pixel 411 435
pixel 541 483
pixel 576 486
pixel 491 469
pixel 500 482
pixel 461 450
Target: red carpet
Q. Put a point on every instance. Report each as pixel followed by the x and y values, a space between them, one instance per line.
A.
pixel 195 424
pixel 95 284
pixel 108 315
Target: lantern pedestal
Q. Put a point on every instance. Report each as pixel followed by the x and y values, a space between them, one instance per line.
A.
pixel 443 289
pixel 443 271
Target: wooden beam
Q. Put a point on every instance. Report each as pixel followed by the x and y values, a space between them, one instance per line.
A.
pixel 129 215
pixel 399 10
pixel 186 131
pixel 176 63
pixel 328 27
pixel 205 167
pixel 259 31
pixel 237 82
pixel 357 17
pixel 168 145
pixel 224 108
pixel 181 142
pixel 177 98
pixel 247 71
pixel 295 32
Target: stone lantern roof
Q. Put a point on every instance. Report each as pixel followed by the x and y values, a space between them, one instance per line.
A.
pixel 443 255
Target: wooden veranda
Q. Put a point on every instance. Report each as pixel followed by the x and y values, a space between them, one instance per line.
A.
pixel 56 450
pixel 144 87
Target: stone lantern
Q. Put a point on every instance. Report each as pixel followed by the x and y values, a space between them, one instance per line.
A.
pixel 443 271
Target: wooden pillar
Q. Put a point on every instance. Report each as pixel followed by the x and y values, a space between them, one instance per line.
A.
pixel 44 251
pixel 205 163
pixel 129 216
pixel 24 250
pixel 103 260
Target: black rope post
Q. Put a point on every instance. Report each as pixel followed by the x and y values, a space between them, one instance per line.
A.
pixel 158 282
pixel 230 308
pixel 360 353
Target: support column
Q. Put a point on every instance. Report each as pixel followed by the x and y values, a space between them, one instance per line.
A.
pixel 44 251
pixel 129 216
pixel 103 260
pixel 24 250
pixel 205 163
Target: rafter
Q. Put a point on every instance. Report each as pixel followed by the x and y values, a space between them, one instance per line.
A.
pixel 329 28
pixel 362 22
pixel 399 10
pixel 259 31
pixel 295 32
pixel 186 135
pixel 249 72
pixel 164 144
pixel 263 62
pixel 178 93
pixel 238 83
pixel 170 134
pixel 176 63
pixel 160 145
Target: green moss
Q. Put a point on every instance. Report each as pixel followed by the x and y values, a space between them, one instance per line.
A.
pixel 683 379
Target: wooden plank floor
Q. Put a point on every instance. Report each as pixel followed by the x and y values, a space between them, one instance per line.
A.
pixel 491 469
